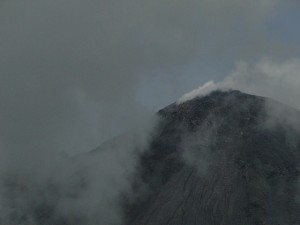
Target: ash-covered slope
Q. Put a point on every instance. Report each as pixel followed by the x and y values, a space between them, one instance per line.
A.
pixel 220 160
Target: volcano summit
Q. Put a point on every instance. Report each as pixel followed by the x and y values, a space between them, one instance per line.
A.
pixel 227 158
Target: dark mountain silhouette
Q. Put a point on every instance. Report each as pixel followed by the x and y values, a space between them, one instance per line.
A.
pixel 227 158
pixel 219 160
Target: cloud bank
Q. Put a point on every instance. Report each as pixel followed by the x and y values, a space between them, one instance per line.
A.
pixel 70 75
pixel 81 190
pixel 71 69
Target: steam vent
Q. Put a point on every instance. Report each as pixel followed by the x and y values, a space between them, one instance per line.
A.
pixel 228 158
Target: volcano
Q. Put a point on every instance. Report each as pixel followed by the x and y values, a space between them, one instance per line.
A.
pixel 228 158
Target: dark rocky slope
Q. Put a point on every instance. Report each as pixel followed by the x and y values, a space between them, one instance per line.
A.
pixel 222 159
pixel 216 160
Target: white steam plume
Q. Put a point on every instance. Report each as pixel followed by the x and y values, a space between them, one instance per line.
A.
pixel 276 80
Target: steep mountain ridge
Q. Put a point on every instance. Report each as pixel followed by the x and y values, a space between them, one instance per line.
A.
pixel 228 158
pixel 213 160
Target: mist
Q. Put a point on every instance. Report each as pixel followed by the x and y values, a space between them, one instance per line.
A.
pixel 268 78
pixel 75 74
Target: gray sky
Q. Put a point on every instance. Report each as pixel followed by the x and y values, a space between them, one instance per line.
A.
pixel 76 72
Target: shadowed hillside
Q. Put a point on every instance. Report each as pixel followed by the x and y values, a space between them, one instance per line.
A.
pixel 224 159
pixel 219 159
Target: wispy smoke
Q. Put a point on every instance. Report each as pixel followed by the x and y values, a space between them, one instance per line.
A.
pixel 66 65
pixel 276 80
pixel 84 189
pixel 71 72
pixel 279 82
pixel 197 147
pixel 200 91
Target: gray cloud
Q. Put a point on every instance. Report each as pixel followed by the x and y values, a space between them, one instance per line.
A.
pixel 71 72
pixel 81 190
pixel 278 80
pixel 56 53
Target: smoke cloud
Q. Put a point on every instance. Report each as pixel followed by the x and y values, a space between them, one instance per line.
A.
pixel 275 80
pixel 66 65
pixel 83 189
pixel 71 76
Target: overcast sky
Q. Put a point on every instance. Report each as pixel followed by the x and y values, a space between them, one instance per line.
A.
pixel 74 73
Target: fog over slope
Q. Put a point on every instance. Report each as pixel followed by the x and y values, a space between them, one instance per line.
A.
pixel 74 74
pixel 224 158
